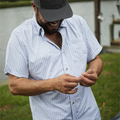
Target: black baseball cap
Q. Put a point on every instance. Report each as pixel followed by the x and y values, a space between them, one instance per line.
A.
pixel 53 10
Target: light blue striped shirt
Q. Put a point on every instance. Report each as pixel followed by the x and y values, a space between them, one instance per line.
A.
pixel 32 55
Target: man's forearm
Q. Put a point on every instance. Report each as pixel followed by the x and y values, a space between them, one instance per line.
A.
pixel 28 87
pixel 96 65
pixel 22 86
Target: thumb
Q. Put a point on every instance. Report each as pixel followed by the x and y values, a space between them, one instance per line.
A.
pixel 89 71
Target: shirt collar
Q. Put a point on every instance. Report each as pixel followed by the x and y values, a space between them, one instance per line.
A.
pixel 63 24
pixel 37 27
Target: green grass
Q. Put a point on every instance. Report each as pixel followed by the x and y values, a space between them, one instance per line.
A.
pixel 106 91
pixel 107 88
pixel 16 3
pixel 13 107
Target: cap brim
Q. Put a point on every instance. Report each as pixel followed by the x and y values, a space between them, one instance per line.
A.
pixel 56 14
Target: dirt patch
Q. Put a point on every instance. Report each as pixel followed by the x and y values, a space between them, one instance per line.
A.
pixel 105 73
pixel 6 107
pixel 108 62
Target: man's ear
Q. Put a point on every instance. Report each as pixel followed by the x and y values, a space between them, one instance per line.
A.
pixel 34 7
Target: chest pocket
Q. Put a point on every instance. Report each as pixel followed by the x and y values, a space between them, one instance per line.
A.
pixel 78 51
pixel 77 55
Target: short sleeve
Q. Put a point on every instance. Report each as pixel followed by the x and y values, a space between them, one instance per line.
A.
pixel 92 44
pixel 16 56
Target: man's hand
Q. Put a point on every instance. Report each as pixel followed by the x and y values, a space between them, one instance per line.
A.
pixel 88 78
pixel 66 83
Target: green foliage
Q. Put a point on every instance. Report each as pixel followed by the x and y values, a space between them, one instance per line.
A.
pixel 20 3
pixel 106 92
pixel 13 0
pixel 14 4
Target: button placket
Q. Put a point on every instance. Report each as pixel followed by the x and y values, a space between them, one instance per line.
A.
pixel 65 64
pixel 66 69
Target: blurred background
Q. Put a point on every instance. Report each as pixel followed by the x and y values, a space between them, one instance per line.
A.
pixel 105 14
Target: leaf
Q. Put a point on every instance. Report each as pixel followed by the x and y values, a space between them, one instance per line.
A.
pixel 103 104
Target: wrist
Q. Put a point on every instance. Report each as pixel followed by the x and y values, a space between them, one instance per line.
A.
pixel 52 84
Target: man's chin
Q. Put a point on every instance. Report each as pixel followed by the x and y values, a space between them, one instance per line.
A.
pixel 51 31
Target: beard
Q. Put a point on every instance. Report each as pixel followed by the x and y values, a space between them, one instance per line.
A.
pixel 47 29
pixel 47 25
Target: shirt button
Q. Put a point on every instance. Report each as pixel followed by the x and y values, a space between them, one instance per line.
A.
pixel 66 68
pixel 72 102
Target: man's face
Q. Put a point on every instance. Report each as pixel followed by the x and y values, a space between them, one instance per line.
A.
pixel 49 27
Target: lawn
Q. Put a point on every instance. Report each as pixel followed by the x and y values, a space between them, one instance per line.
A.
pixel 21 3
pixel 106 91
pixel 107 88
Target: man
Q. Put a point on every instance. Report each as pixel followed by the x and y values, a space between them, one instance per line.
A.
pixel 46 60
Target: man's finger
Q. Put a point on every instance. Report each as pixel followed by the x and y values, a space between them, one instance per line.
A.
pixel 73 79
pixel 83 84
pixel 72 91
pixel 91 76
pixel 86 81
pixel 71 84
pixel 89 71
